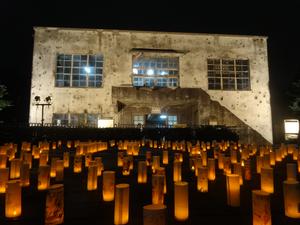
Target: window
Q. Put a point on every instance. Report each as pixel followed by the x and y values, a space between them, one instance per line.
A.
pixel 172 120
pixel 138 120
pixel 228 74
pixel 155 72
pixel 75 119
pixel 60 119
pixel 79 71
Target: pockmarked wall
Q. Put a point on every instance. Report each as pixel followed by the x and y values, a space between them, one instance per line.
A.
pixel 252 107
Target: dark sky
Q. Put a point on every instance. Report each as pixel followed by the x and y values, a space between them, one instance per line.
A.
pixel 280 22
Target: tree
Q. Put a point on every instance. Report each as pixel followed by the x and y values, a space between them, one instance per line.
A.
pixel 294 96
pixel 3 102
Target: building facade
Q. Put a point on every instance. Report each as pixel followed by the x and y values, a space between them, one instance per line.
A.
pixel 99 77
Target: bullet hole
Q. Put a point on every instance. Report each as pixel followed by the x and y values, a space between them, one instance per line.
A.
pixel 255 97
pixel 40 57
pixel 221 98
pixel 245 120
pixel 257 81
pixel 260 101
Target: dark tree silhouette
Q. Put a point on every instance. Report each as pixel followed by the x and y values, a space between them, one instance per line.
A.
pixel 3 102
pixel 294 97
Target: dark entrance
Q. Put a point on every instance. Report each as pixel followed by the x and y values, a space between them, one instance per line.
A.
pixel 156 120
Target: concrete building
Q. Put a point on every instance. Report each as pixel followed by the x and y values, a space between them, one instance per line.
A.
pixel 99 77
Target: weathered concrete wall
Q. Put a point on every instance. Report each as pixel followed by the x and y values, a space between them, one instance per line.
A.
pixel 252 107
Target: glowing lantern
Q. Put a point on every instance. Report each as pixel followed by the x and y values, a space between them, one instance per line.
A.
pixel 157 189
pixel 211 169
pixel 181 201
pixel 155 163
pixel 237 169
pixel 261 209
pixel 54 213
pixel 4 172
pixel 142 172
pixel 227 165
pixel 258 163
pixel 13 202
pixel 43 177
pixel 121 212
pixel 176 171
pixel 233 190
pixel 233 156
pixel 298 162
pixel 88 158
pixel 53 167
pixel 291 195
pixel 108 190
pixel 66 159
pixel 130 157
pixel 99 164
pixel 126 166
pixel 25 175
pixel 278 155
pixel 77 164
pixel 120 158
pixel 28 159
pixel 266 161
pixel 291 171
pixel 165 157
pixel 53 145
pixel 59 170
pixel 221 161
pixel 162 171
pixel 198 163
pixel 248 169
pixel 267 180
pixel 148 158
pixel 43 159
pixel 202 181
pixel 272 158
pixel 3 159
pixel 15 168
pixel 154 215
pixel 295 154
pixel 92 177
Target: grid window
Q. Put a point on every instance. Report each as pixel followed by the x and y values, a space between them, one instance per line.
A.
pixel 60 119
pixel 155 72
pixel 79 71
pixel 92 120
pixel 138 120
pixel 172 120
pixel 228 74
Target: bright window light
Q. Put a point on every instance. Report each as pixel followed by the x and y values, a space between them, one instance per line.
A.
pixel 104 123
pixel 135 71
pixel 291 126
pixel 150 72
pixel 87 69
pixel 163 116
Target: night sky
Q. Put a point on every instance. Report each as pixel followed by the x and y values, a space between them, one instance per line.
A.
pixel 279 22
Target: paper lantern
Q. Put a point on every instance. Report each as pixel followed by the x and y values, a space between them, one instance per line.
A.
pixel 155 163
pixel 120 158
pixel 181 201
pixel 59 170
pixel 227 165
pixel 237 169
pixel 15 168
pixel 233 156
pixel 13 199
pixel 66 159
pixel 266 161
pixel 130 157
pixel 157 189
pixel 176 171
pixel 154 215
pixel 53 167
pixel 247 169
pixel 267 180
pixel 162 171
pixel 202 180
pixel 25 175
pixel 43 177
pixel 148 158
pixel 272 158
pixel 77 164
pixel 259 161
pixel 295 154
pixel 3 160
pixel 142 172
pixel 165 157
pixel 36 152
pixel 298 162
pixel 233 190
pixel 99 164
pixel 121 212
pixel 291 171
pixel 278 156
pixel 198 163
pixel 92 177
pixel 211 169
pixel 43 159
pixel 261 209
pixel 204 158
pixel 221 161
pixel 291 195
pixel 4 172
pixel 126 166
pixel 54 210
pixel 108 189
pixel 87 159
